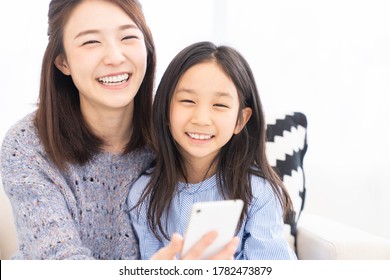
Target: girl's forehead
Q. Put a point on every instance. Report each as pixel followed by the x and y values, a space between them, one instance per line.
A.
pixel 205 74
pixel 206 80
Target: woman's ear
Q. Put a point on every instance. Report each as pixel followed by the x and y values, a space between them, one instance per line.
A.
pixel 62 65
pixel 245 116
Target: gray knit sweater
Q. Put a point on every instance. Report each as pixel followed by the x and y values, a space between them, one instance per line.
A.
pixel 80 214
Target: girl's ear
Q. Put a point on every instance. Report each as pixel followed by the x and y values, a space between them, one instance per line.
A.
pixel 62 65
pixel 245 116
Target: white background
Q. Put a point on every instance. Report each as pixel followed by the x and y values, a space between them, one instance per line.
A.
pixel 329 59
pixel 195 269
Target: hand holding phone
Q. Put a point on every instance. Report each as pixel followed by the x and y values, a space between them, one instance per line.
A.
pixel 220 216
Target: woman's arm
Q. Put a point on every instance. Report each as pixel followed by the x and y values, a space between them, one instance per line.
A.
pixel 47 228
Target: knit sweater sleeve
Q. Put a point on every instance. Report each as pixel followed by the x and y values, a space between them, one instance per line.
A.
pixel 42 202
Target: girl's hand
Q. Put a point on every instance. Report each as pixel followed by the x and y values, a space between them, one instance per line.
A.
pixel 174 247
pixel 171 250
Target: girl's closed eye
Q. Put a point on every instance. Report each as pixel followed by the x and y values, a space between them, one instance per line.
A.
pixel 187 101
pixel 221 105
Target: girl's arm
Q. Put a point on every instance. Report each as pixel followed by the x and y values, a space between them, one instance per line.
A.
pixel 174 247
pixel 147 242
pixel 151 248
pixel 263 236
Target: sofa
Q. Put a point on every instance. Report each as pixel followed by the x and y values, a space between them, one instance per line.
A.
pixel 311 236
pixel 8 238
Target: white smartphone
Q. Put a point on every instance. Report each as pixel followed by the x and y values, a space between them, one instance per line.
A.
pixel 221 216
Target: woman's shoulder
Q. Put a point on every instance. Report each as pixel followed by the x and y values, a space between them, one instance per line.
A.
pixel 22 153
pixel 22 134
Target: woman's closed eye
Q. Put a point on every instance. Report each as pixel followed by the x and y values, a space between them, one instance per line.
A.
pixel 90 42
pixel 129 37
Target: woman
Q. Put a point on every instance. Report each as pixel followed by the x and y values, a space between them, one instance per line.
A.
pixel 67 167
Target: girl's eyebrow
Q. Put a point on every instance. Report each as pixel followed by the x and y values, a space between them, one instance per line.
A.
pixel 190 91
pixel 96 31
pixel 224 94
pixel 185 90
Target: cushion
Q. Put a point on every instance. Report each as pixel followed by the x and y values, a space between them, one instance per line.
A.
pixel 286 148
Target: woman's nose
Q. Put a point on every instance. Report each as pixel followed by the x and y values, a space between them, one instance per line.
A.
pixel 114 55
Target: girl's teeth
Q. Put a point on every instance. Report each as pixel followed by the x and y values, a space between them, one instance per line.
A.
pixel 200 136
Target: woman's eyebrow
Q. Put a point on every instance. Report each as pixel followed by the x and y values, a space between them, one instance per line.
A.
pixel 128 26
pixel 86 32
pixel 96 31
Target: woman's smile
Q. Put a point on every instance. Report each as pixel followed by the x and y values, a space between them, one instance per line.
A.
pixel 115 81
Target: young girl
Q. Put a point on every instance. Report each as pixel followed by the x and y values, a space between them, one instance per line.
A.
pixel 210 145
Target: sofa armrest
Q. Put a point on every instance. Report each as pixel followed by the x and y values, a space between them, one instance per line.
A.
pixel 319 238
pixel 8 235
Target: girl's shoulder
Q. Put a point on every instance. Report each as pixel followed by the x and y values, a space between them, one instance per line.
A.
pixel 264 195
pixel 261 187
pixel 139 186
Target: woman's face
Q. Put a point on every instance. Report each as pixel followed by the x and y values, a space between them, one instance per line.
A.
pixel 105 54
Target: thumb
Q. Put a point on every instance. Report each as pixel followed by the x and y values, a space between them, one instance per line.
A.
pixel 171 250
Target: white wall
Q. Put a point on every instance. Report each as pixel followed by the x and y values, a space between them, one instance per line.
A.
pixel 23 26
pixel 329 59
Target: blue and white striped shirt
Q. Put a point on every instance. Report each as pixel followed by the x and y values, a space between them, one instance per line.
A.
pixel 261 235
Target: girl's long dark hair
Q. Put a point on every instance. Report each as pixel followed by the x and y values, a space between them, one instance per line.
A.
pixel 60 124
pixel 243 156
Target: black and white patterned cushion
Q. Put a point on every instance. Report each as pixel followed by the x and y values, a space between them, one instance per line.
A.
pixel 286 147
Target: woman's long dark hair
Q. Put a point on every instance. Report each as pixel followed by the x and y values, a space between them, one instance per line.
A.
pixel 61 127
pixel 243 156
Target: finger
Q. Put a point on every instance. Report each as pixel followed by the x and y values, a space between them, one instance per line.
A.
pixel 198 249
pixel 170 251
pixel 228 251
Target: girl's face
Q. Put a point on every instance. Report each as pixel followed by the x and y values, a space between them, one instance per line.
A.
pixel 204 113
pixel 105 54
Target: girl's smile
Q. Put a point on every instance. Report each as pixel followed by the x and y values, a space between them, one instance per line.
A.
pixel 197 136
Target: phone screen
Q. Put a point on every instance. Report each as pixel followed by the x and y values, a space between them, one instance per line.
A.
pixel 221 216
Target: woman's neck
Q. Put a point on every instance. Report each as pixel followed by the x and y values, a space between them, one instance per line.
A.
pixel 114 127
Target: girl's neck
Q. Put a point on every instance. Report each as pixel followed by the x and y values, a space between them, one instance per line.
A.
pixel 114 127
pixel 197 173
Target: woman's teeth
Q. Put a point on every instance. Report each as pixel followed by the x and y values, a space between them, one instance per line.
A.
pixel 114 80
pixel 200 136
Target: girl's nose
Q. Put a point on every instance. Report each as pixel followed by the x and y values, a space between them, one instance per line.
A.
pixel 201 116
